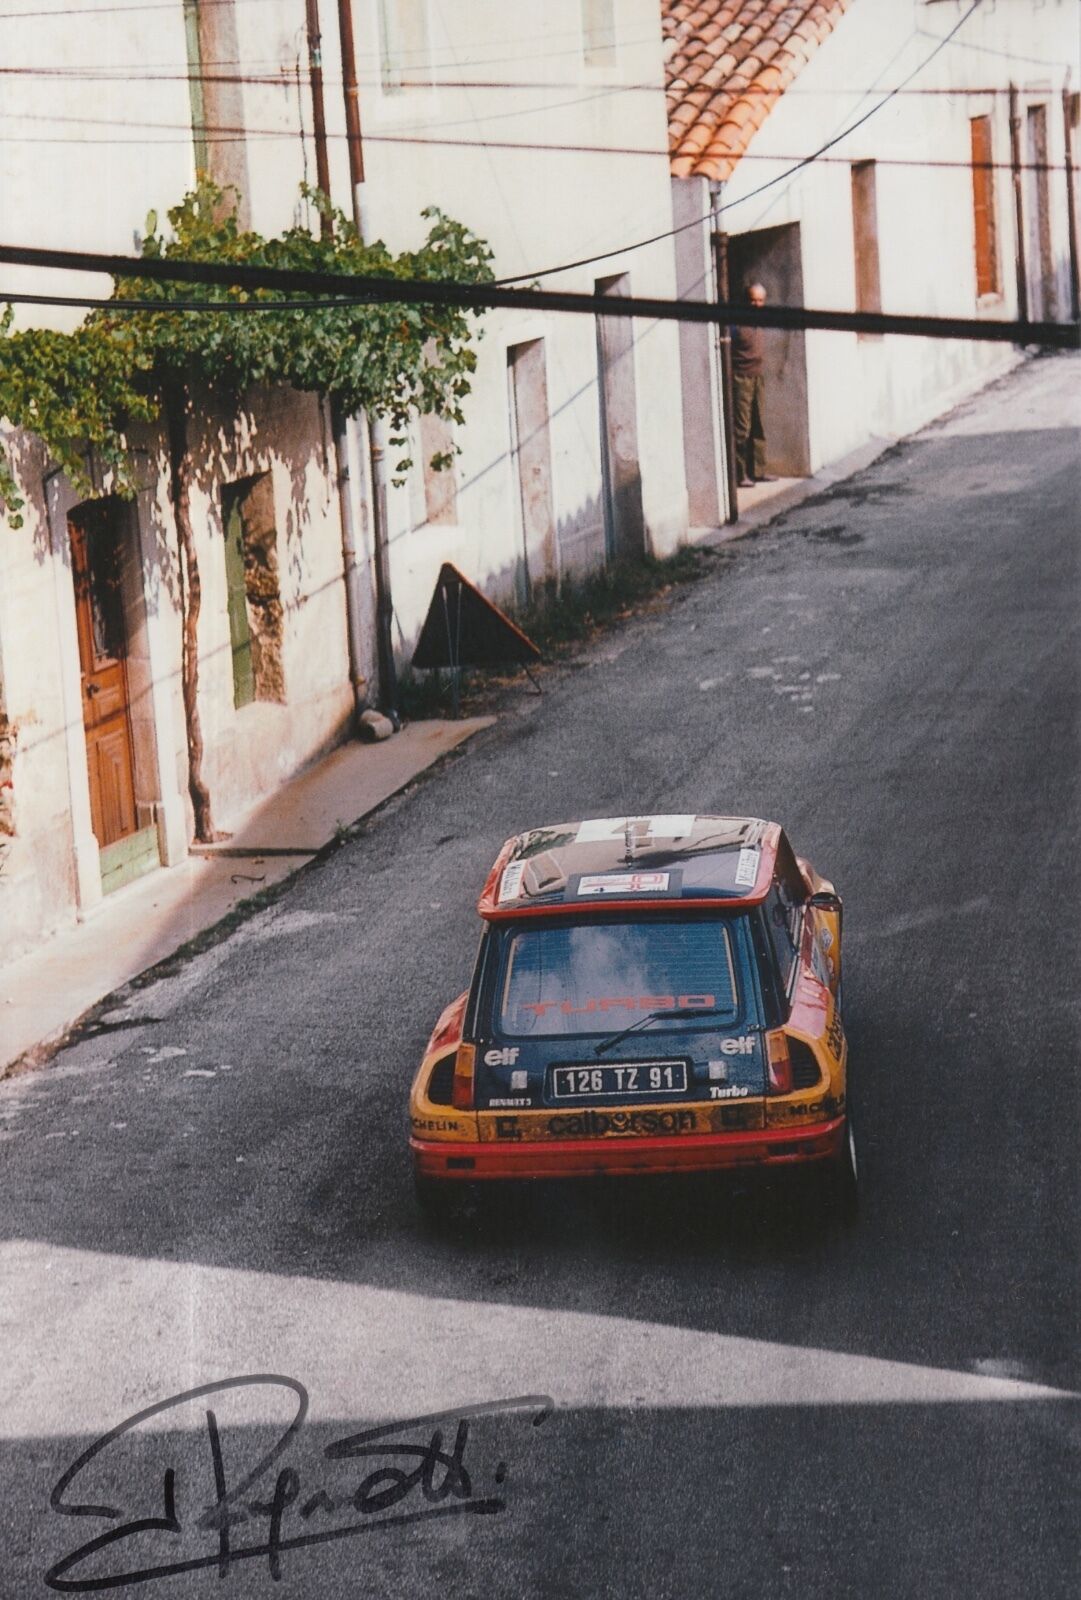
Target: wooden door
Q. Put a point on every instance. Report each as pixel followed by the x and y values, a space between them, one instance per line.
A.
pixel 99 613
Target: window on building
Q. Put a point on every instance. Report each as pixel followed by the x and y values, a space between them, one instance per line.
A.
pixel 404 44
pixel 599 33
pixel 251 572
pixel 865 239
pixel 983 202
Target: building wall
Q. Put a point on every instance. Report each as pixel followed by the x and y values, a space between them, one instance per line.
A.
pixel 548 155
pixel 860 387
pixel 549 159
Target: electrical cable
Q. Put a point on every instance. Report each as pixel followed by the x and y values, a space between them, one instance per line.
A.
pixel 477 297
pixel 220 133
pixel 805 161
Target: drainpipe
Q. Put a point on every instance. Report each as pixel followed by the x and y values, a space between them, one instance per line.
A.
pixel 339 423
pixel 1071 202
pixel 1018 205
pixel 719 241
pixel 376 428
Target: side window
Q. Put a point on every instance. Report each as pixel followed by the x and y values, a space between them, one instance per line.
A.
pixel 784 909
pixel 782 923
pixel 789 877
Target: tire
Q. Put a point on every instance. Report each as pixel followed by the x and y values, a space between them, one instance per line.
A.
pixel 842 1181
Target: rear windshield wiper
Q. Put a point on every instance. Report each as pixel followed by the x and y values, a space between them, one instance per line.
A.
pixel 655 1016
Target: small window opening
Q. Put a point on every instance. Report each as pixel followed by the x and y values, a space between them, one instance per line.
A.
pixel 599 33
pixel 440 482
pixel 255 608
pixel 404 46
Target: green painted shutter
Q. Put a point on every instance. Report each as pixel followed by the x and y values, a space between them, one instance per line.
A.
pixel 239 631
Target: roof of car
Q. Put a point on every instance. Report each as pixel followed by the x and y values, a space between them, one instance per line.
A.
pixel 648 862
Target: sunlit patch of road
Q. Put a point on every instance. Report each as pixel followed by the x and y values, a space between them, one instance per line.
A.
pixel 101 1335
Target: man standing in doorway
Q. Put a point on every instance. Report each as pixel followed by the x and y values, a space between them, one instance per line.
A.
pixel 748 386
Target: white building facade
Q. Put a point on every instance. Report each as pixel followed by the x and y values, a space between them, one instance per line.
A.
pixel 952 200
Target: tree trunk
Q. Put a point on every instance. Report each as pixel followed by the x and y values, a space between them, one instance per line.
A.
pixel 177 406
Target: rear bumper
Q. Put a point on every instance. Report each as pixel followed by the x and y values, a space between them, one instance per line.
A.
pixel 584 1158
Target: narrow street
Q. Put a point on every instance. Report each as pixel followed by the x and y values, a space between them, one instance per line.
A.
pixel 746 1403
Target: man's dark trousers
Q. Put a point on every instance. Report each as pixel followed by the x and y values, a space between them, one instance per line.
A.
pixel 748 397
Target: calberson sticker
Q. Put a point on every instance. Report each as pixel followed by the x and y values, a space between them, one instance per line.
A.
pixel 604 1124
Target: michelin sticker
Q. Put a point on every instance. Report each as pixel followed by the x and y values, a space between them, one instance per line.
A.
pixel 624 883
pixel 747 868
pixel 510 884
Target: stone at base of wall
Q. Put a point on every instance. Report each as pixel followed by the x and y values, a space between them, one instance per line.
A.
pixel 374 726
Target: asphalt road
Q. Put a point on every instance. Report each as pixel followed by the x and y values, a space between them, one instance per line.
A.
pixel 745 1404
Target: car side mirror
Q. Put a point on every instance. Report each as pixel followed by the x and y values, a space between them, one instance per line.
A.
pixel 825 900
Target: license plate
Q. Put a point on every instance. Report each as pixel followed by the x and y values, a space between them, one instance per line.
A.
pixel 617 1079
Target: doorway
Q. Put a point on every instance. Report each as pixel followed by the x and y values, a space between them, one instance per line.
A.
pixel 773 257
pixel 126 849
pixel 621 476
pixel 531 451
pixel 1041 270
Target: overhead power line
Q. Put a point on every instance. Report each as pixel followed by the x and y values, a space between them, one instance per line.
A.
pixel 353 291
pixel 222 133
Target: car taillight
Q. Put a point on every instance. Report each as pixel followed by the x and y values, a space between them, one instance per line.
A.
pixel 462 1091
pixel 779 1062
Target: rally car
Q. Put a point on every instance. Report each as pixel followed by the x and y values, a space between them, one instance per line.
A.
pixel 652 994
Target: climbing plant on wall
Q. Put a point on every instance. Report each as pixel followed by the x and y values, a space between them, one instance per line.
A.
pixel 81 392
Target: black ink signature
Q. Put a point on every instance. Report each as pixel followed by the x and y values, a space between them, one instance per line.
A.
pixel 433 1470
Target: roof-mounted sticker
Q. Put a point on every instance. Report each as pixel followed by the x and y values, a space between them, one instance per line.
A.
pixel 510 884
pixel 623 883
pixel 646 829
pixel 747 868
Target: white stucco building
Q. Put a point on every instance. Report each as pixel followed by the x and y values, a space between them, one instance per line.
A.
pixel 545 134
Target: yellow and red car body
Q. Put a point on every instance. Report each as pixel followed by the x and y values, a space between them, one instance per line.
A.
pixel 652 995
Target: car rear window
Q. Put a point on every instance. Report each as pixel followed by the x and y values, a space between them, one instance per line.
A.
pixel 598 977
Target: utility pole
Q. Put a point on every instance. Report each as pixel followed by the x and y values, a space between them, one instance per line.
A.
pixel 319 120
pixel 1071 201
pixel 1018 206
pixel 376 428
pixel 719 243
pixel 350 569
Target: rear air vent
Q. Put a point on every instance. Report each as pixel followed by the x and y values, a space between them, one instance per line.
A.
pixel 806 1072
pixel 441 1082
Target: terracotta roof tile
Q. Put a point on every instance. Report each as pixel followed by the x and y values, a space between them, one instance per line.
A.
pixel 727 64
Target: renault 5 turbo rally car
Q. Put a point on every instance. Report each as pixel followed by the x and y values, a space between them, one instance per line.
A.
pixel 653 994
